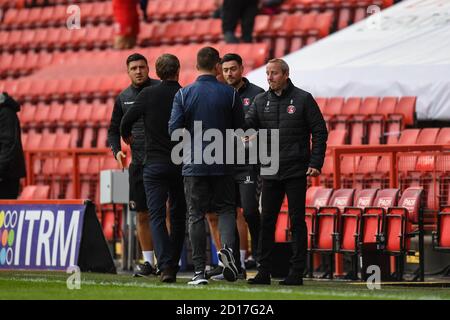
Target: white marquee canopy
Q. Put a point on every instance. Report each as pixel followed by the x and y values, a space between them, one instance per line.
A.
pixel 401 51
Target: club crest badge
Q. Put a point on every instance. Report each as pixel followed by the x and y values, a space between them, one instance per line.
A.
pixel 291 109
pixel 246 102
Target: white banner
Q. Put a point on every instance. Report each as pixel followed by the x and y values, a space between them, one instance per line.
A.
pixel 401 51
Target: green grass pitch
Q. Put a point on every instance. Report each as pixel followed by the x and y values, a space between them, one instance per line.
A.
pixel 22 285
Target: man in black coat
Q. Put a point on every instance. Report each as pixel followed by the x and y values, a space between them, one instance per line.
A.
pixel 12 162
pixel 137 69
pixel 297 117
pixel 162 179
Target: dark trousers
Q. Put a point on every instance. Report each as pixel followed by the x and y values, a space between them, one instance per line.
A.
pixel 248 193
pixel 9 188
pixel 273 192
pixel 210 194
pixel 235 10
pixel 164 182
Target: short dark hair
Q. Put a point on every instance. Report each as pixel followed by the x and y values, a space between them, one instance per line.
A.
pixel 232 57
pixel 207 58
pixel 167 66
pixel 136 57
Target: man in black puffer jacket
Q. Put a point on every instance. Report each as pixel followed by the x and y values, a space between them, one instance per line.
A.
pixel 137 68
pixel 296 115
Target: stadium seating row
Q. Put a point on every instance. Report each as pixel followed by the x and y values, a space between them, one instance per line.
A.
pixel 369 120
pixel 298 26
pixel 52 16
pixel 111 61
pixel 332 4
pixel 42 3
pixel 102 12
pixel 345 220
pixel 369 171
pixel 161 10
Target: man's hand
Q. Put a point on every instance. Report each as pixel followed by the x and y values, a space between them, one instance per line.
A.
pixel 312 172
pixel 119 156
pixel 128 140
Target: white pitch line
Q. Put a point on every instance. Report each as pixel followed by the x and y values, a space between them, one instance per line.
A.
pixel 232 289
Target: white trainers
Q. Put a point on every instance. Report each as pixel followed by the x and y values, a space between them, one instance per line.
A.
pixel 198 278
pixel 230 272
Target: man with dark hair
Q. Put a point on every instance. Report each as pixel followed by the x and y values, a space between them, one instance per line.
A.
pixel 137 68
pixel 208 104
pixel 246 175
pixel 296 115
pixel 12 161
pixel 162 179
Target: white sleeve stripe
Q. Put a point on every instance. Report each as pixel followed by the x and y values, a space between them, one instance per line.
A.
pixel 182 98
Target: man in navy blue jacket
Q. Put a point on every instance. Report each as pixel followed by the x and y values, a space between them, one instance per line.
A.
pixel 201 108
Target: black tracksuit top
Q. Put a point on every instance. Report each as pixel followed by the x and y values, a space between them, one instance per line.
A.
pixel 154 104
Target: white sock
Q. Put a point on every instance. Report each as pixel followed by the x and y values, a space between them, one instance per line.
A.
pixel 243 254
pixel 149 257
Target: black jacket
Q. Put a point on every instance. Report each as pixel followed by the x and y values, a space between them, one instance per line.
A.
pixel 297 116
pixel 12 161
pixel 216 106
pixel 123 102
pixel 247 92
pixel 155 105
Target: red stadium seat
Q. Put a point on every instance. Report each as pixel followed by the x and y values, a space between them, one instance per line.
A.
pixel 316 198
pixel 349 226
pixel 349 108
pixel 376 128
pixel 373 216
pixel 350 219
pixel 33 192
pixel 399 227
pixel 407 107
pixel 408 137
pixel 331 109
pixel 443 136
pixel 441 237
pixel 427 136
pixel 327 224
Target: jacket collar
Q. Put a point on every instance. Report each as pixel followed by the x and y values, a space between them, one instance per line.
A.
pixel 244 86
pixel 285 92
pixel 146 83
pixel 206 77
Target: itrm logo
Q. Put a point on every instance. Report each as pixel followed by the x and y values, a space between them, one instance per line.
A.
pixel 8 222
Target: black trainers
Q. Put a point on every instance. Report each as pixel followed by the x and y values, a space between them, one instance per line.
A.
pixel 293 279
pixel 157 270
pixel 260 278
pixel 214 272
pixel 145 270
pixel 250 263
pixel 230 271
pixel 198 278
pixel 242 275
